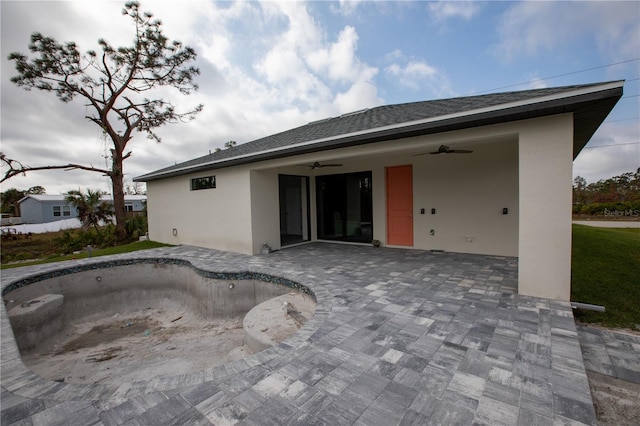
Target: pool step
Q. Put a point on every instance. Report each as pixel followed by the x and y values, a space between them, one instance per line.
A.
pixel 272 321
pixel 36 320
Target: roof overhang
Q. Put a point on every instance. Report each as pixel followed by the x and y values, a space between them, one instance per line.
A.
pixel 589 105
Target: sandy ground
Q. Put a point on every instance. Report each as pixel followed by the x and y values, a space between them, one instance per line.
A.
pixel 617 402
pixel 139 346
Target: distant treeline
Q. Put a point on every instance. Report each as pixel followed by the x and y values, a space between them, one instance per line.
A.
pixel 618 196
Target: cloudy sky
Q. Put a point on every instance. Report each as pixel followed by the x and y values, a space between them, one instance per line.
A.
pixel 267 67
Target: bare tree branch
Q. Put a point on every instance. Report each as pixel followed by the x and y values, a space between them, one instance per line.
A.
pixel 17 168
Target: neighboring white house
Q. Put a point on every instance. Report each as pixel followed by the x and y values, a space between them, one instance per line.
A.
pixel 373 175
pixel 51 208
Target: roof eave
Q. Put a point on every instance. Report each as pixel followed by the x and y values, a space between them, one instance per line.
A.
pixel 590 108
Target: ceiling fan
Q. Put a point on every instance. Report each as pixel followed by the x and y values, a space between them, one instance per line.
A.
pixel 317 165
pixel 443 149
pixel 446 150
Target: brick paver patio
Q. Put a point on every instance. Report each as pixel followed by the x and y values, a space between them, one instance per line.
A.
pixel 399 337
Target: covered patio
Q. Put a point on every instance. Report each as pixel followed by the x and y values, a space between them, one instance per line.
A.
pixel 400 336
pixel 485 174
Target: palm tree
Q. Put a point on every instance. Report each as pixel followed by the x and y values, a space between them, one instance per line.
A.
pixel 90 207
pixel 10 200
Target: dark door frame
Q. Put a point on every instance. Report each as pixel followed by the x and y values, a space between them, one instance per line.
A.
pixel 285 237
pixel 335 218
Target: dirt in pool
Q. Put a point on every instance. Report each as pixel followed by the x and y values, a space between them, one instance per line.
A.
pixel 139 346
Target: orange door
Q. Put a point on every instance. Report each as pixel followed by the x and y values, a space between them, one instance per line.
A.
pixel 400 205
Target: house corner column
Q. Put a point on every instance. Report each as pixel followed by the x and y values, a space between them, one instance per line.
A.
pixel 545 196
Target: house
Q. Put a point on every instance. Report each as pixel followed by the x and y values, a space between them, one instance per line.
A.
pixel 51 208
pixel 488 174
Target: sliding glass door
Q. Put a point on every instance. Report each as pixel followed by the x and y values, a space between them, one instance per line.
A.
pixel 344 204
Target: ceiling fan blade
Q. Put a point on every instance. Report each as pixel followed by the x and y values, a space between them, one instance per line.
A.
pixel 443 149
pixel 317 165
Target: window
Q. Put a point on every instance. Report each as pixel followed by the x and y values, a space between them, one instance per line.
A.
pixel 61 211
pixel 203 183
pixel 128 208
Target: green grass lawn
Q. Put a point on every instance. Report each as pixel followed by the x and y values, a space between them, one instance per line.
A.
pixel 605 270
pixel 126 248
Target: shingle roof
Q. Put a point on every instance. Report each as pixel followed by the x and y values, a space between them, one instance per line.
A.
pixel 410 119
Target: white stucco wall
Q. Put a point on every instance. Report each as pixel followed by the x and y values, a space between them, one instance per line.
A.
pixel 523 166
pixel 545 158
pixel 217 218
pixel 265 209
pixel 468 192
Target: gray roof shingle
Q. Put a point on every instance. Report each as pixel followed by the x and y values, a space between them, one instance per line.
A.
pixel 339 131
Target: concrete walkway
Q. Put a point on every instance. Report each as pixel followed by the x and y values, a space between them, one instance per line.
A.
pixel 399 337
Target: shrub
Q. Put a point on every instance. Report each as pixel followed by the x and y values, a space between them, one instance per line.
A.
pixel 68 243
pixel 136 226
pixel 105 236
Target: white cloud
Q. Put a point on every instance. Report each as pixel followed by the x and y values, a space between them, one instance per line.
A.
pixel 359 96
pixel 613 150
pixel 394 56
pixel 308 70
pixel 418 75
pixel 347 7
pixel 339 61
pixel 535 82
pixel 284 68
pixel 413 74
pixel 443 10
pixel 603 163
pixel 265 67
pixel 533 27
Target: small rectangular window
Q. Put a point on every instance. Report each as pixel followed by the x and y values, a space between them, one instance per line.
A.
pixel 203 183
pixel 66 211
pixel 56 210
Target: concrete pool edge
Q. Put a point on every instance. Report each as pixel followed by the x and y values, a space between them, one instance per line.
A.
pixel 19 380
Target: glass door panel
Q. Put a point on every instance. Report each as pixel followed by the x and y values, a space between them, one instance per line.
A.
pixel 344 203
